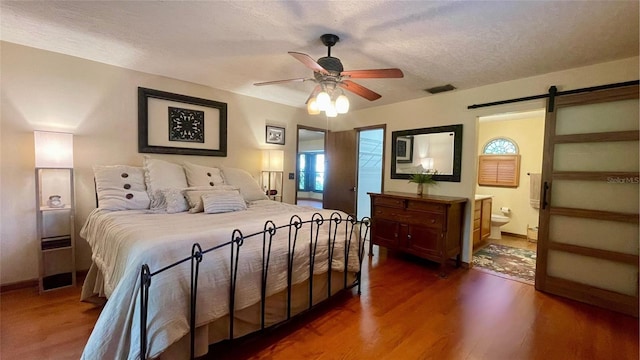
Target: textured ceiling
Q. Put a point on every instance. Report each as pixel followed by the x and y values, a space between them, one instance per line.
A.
pixel 232 44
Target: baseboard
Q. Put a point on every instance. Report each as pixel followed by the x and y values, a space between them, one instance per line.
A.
pixel 33 283
pixel 19 285
pixel 521 236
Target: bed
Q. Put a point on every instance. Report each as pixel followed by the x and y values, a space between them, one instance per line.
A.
pixel 178 282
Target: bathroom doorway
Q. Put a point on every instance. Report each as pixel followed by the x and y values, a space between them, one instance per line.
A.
pixel 506 208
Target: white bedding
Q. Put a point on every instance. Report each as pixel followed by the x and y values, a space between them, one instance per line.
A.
pixel 122 241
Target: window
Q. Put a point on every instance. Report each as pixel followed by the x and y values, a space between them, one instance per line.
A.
pixel 311 172
pixel 500 146
pixel 500 164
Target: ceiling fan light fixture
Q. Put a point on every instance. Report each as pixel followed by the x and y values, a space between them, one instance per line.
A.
pixel 312 107
pixel 323 100
pixel 342 104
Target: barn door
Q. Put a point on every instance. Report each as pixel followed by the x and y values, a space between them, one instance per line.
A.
pixel 341 162
pixel 588 236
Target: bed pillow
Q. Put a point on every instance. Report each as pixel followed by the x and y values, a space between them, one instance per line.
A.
pixel 198 175
pixel 248 186
pixel 120 187
pixel 194 195
pixel 223 201
pixel 170 201
pixel 160 174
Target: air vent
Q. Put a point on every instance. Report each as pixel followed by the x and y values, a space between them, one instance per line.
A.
pixel 439 89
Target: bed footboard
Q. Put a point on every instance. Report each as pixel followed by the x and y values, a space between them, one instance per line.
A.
pixel 353 235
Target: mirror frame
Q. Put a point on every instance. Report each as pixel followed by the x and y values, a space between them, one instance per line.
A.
pixel 457 150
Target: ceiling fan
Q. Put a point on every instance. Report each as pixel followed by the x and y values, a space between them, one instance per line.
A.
pixel 331 77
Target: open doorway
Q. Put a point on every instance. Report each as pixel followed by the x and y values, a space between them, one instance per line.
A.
pixel 506 208
pixel 310 166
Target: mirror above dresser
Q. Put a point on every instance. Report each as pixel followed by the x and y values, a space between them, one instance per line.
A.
pixel 427 150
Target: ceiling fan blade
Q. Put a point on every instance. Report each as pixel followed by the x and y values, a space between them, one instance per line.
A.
pixel 360 90
pixel 313 94
pixel 280 81
pixel 308 62
pixel 373 74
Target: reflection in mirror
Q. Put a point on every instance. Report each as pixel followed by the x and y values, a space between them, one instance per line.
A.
pixel 427 150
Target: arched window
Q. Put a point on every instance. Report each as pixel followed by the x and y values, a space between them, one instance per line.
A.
pixel 500 146
pixel 499 164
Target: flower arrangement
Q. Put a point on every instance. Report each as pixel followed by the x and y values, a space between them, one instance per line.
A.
pixel 422 179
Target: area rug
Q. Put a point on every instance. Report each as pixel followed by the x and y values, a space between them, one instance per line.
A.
pixel 506 261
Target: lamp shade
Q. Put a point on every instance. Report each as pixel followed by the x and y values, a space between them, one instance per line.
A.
pixel 342 104
pixel 323 100
pixel 312 107
pixel 273 160
pixel 427 163
pixel 330 111
pixel 53 149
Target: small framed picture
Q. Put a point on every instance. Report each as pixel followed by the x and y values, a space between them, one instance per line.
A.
pixel 275 135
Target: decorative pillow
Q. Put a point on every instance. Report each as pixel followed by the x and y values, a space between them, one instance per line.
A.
pixel 120 187
pixel 223 201
pixel 160 174
pixel 249 187
pixel 198 175
pixel 170 201
pixel 194 195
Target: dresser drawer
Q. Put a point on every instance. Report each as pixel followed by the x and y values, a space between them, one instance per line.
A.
pixel 430 219
pixel 390 213
pixel 388 201
pixel 425 206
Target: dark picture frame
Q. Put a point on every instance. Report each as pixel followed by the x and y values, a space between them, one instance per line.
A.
pixel 171 123
pixel 274 135
pixel 404 149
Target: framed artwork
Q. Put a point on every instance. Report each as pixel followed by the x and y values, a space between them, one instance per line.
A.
pixel 178 124
pixel 404 149
pixel 275 135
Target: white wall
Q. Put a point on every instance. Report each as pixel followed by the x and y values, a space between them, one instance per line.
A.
pixel 528 134
pixel 451 108
pixel 98 103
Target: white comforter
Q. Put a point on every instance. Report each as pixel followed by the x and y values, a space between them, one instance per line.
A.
pixel 122 241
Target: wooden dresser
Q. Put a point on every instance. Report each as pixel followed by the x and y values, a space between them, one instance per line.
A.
pixel 427 226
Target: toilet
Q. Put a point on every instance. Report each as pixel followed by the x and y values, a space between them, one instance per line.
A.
pixel 496 222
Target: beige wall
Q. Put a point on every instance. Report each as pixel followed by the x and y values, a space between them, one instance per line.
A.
pixel 451 108
pixel 98 104
pixel 528 134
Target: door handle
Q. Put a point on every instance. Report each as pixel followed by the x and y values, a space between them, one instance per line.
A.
pixel 545 188
pixel 353 189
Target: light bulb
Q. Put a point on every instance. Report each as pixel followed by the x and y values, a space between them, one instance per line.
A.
pixel 323 100
pixel 312 107
pixel 342 104
pixel 331 110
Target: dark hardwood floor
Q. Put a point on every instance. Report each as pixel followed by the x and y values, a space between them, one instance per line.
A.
pixel 406 311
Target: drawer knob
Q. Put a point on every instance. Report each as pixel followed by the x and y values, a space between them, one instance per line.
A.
pixel 395 235
pixel 409 236
pixel 433 221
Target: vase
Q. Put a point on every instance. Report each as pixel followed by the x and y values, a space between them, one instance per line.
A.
pixel 420 188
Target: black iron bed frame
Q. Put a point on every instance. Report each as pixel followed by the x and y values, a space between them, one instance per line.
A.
pixel 235 245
